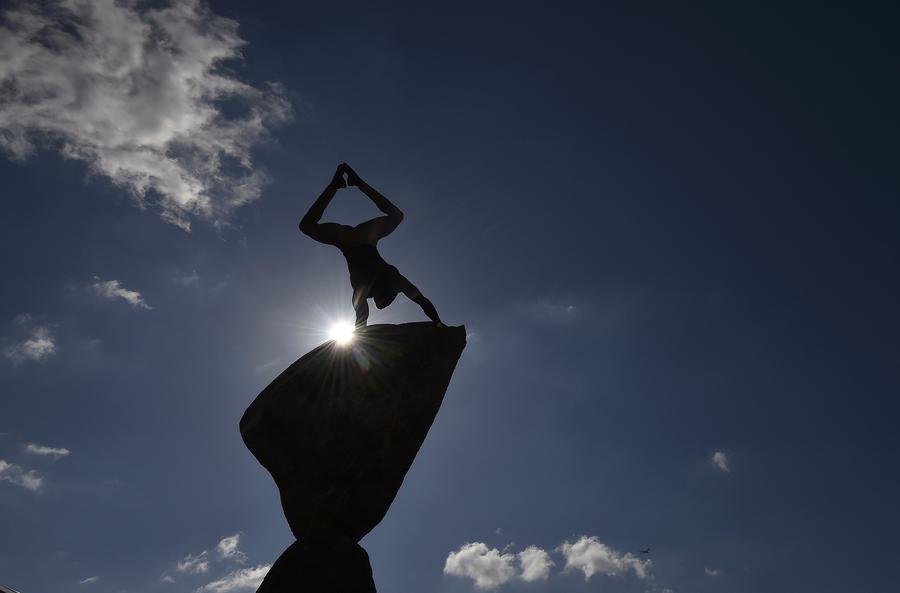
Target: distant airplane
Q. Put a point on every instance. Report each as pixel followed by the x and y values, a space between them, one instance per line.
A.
pixel 647 551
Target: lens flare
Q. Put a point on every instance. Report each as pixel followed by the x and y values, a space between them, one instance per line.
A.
pixel 341 332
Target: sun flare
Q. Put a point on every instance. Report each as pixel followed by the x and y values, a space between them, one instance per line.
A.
pixel 341 332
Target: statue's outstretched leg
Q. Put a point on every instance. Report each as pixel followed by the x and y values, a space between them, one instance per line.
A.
pixel 361 305
pixel 416 296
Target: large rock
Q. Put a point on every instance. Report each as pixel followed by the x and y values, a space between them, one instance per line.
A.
pixel 320 564
pixel 339 429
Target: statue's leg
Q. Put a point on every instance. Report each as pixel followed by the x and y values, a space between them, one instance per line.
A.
pixel 361 305
pixel 416 296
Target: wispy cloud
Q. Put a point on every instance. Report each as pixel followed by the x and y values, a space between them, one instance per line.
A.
pixel 227 548
pixel 535 564
pixel 89 580
pixel 54 452
pixel 137 91
pixel 35 342
pixel 191 280
pixel 591 556
pixel 720 461
pixel 487 567
pixel 551 311
pixel 28 479
pixel 713 572
pixel 113 289
pixel 198 564
pixel 239 580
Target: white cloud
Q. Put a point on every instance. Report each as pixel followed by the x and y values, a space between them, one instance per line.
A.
pixel 713 572
pixel 720 461
pixel 113 289
pixel 591 556
pixel 36 344
pixel 89 580
pixel 165 578
pixel 535 564
pixel 137 91
pixel 239 580
pixel 198 564
pixel 28 479
pixel 489 568
pixel 228 549
pixel 54 452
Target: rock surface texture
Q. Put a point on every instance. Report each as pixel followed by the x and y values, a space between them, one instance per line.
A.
pixel 339 429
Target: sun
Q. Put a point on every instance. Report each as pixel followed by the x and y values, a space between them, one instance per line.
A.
pixel 341 332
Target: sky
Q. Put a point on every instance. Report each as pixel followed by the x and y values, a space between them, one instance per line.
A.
pixel 671 231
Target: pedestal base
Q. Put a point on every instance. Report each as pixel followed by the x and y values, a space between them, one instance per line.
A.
pixel 321 564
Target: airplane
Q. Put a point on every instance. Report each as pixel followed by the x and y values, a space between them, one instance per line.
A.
pixel 647 551
pixel 7 590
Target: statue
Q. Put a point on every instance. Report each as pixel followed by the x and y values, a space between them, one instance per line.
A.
pixel 340 427
pixel 370 276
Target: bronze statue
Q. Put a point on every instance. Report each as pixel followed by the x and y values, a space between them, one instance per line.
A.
pixel 370 276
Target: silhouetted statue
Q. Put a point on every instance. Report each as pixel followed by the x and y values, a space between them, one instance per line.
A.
pixel 370 276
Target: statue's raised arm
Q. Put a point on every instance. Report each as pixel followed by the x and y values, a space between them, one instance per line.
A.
pixel 380 227
pixel 327 232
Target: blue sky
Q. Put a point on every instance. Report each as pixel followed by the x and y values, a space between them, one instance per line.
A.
pixel 671 232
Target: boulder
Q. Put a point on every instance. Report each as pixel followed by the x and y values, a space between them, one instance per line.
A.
pixel 340 427
pixel 320 564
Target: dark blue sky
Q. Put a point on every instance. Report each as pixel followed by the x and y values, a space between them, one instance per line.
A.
pixel 670 230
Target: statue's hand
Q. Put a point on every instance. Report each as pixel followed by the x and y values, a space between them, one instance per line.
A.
pixel 352 177
pixel 338 179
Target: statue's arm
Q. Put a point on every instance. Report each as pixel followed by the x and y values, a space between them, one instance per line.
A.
pixel 328 232
pixel 383 225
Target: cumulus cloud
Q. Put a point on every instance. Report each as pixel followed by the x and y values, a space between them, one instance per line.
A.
pixel 89 580
pixel 28 479
pixel 139 92
pixel 239 580
pixel 488 568
pixel 535 564
pixel 54 452
pixel 713 572
pixel 113 289
pixel 591 556
pixel 36 342
pixel 720 461
pixel 227 548
pixel 198 564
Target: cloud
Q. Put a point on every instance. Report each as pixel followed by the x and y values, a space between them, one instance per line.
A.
pixel 198 564
pixel 239 580
pixel 535 564
pixel 30 479
pixel 713 572
pixel 140 93
pixel 591 556
pixel 37 342
pixel 720 461
pixel 165 578
pixel 227 549
pixel 89 580
pixel 191 280
pixel 113 289
pixel 489 568
pixel 54 452
pixel 551 311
